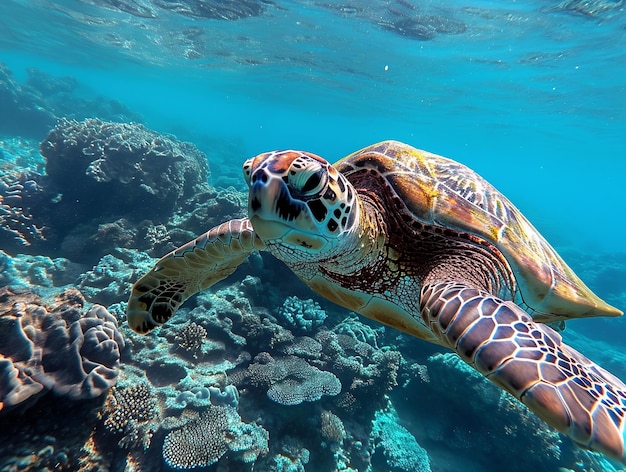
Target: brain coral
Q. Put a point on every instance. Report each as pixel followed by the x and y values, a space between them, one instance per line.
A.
pixel 62 349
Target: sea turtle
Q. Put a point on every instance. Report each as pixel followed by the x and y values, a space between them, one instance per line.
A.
pixel 421 243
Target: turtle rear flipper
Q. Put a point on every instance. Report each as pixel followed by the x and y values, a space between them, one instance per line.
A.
pixel 188 270
pixel 530 361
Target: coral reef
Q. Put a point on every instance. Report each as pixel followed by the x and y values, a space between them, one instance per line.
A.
pixel 366 372
pixel 20 193
pixel 54 434
pixel 22 114
pixel 132 413
pixel 204 441
pixel 39 273
pixel 253 375
pixel 301 316
pixel 288 380
pixel 83 204
pixel 106 165
pixel 398 446
pixel 59 348
pixel 109 281
pixel 453 422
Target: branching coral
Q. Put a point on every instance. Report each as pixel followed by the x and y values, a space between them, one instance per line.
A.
pixel 130 412
pixel 366 372
pixel 19 192
pixel 190 337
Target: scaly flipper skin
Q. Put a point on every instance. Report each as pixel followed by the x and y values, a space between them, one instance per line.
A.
pixel 188 270
pixel 529 360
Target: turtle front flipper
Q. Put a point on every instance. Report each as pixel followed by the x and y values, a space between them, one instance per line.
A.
pixel 188 270
pixel 529 360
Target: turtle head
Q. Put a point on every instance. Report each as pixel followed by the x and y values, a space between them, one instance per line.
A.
pixel 299 200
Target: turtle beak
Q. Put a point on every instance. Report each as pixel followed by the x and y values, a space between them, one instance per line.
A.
pixel 272 210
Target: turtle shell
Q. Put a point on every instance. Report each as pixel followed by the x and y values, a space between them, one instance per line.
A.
pixel 441 192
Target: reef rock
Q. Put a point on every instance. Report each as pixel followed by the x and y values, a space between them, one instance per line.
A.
pixel 31 108
pixel 59 348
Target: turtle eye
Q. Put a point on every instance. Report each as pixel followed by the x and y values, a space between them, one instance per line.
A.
pixel 307 177
pixel 312 183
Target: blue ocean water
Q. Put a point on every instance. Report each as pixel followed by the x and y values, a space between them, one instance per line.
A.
pixel 530 94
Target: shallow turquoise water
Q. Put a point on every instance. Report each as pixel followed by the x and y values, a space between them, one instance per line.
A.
pixel 532 95
pixel 531 98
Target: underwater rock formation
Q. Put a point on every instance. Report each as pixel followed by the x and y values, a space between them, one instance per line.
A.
pixel 32 108
pixel 59 348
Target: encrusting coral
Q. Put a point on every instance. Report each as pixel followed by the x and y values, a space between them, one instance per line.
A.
pixel 288 380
